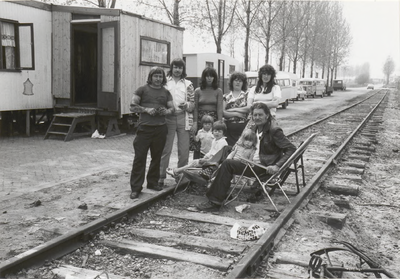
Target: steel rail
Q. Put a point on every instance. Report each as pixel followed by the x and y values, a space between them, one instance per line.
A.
pixel 76 238
pixel 333 114
pixel 248 264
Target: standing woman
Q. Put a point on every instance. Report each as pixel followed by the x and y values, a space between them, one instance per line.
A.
pixel 235 107
pixel 208 100
pixel 266 91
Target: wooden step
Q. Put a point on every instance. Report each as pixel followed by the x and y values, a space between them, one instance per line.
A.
pixel 69 122
pixel 62 124
pixel 57 133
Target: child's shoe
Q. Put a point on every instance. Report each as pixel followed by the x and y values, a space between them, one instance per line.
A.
pixel 171 172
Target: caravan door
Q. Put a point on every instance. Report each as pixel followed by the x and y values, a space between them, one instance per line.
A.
pixel 108 66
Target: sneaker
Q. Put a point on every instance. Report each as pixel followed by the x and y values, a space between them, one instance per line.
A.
pixel 208 207
pixel 171 172
pixel 155 187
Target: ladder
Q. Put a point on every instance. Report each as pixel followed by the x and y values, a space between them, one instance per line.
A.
pixel 71 125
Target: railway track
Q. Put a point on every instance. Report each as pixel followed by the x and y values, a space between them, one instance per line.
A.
pixel 159 232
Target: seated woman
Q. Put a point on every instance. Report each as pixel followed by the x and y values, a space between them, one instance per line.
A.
pixel 273 149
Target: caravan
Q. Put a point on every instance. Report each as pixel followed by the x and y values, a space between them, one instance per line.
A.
pixel 287 82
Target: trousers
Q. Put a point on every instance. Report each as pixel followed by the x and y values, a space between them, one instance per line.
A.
pixel 222 182
pixel 176 125
pixel 147 138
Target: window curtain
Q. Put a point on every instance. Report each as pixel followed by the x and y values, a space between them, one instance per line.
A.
pixel 7 34
pixel 8 42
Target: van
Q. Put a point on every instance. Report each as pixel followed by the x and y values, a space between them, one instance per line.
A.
pixel 339 84
pixel 313 86
pixel 287 82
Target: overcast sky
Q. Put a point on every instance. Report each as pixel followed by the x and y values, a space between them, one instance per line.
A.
pixel 375 31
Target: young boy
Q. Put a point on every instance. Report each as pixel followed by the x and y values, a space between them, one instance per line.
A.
pixel 219 141
pixel 205 135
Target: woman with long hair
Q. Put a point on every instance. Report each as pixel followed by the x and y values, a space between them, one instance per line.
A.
pixel 266 91
pixel 235 107
pixel 208 100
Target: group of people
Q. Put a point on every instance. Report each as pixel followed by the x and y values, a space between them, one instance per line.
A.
pixel 206 121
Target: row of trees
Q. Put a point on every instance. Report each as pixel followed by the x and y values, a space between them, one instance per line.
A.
pixel 303 35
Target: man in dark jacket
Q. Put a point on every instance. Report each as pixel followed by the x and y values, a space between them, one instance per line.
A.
pixel 274 149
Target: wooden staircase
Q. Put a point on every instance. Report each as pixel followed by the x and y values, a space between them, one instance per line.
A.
pixel 71 125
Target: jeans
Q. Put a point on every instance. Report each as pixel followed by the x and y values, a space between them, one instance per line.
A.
pixel 153 138
pixel 222 182
pixel 175 124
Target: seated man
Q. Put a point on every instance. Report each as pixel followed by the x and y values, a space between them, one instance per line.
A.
pixel 273 149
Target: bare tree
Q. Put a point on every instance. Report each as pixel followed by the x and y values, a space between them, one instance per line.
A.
pixel 220 15
pixel 284 29
pixel 246 14
pixel 388 68
pixel 171 9
pixel 299 23
pixel 106 4
pixel 266 21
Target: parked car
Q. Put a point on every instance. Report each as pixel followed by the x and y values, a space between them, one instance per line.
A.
pixel 301 93
pixel 370 86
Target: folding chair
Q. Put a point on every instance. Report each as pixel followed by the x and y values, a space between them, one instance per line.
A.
pixel 192 174
pixel 276 180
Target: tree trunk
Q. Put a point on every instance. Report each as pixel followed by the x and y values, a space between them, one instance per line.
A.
pixel 176 13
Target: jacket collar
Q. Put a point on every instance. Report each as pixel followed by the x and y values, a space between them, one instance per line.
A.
pixel 267 127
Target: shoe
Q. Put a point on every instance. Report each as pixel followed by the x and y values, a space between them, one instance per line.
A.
pixel 257 196
pixel 171 172
pixel 155 188
pixel 208 207
pixel 134 195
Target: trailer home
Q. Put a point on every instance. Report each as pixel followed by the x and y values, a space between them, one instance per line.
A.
pixel 25 62
pixel 223 64
pixel 91 60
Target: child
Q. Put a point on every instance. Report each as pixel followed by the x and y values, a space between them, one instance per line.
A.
pixel 245 147
pixel 219 141
pixel 205 135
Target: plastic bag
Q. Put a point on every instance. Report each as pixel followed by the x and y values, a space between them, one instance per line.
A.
pixel 253 232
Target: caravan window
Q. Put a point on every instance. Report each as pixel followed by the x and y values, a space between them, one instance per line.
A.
pixel 231 68
pixel 283 82
pixel 17 46
pixel 209 64
pixel 306 82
